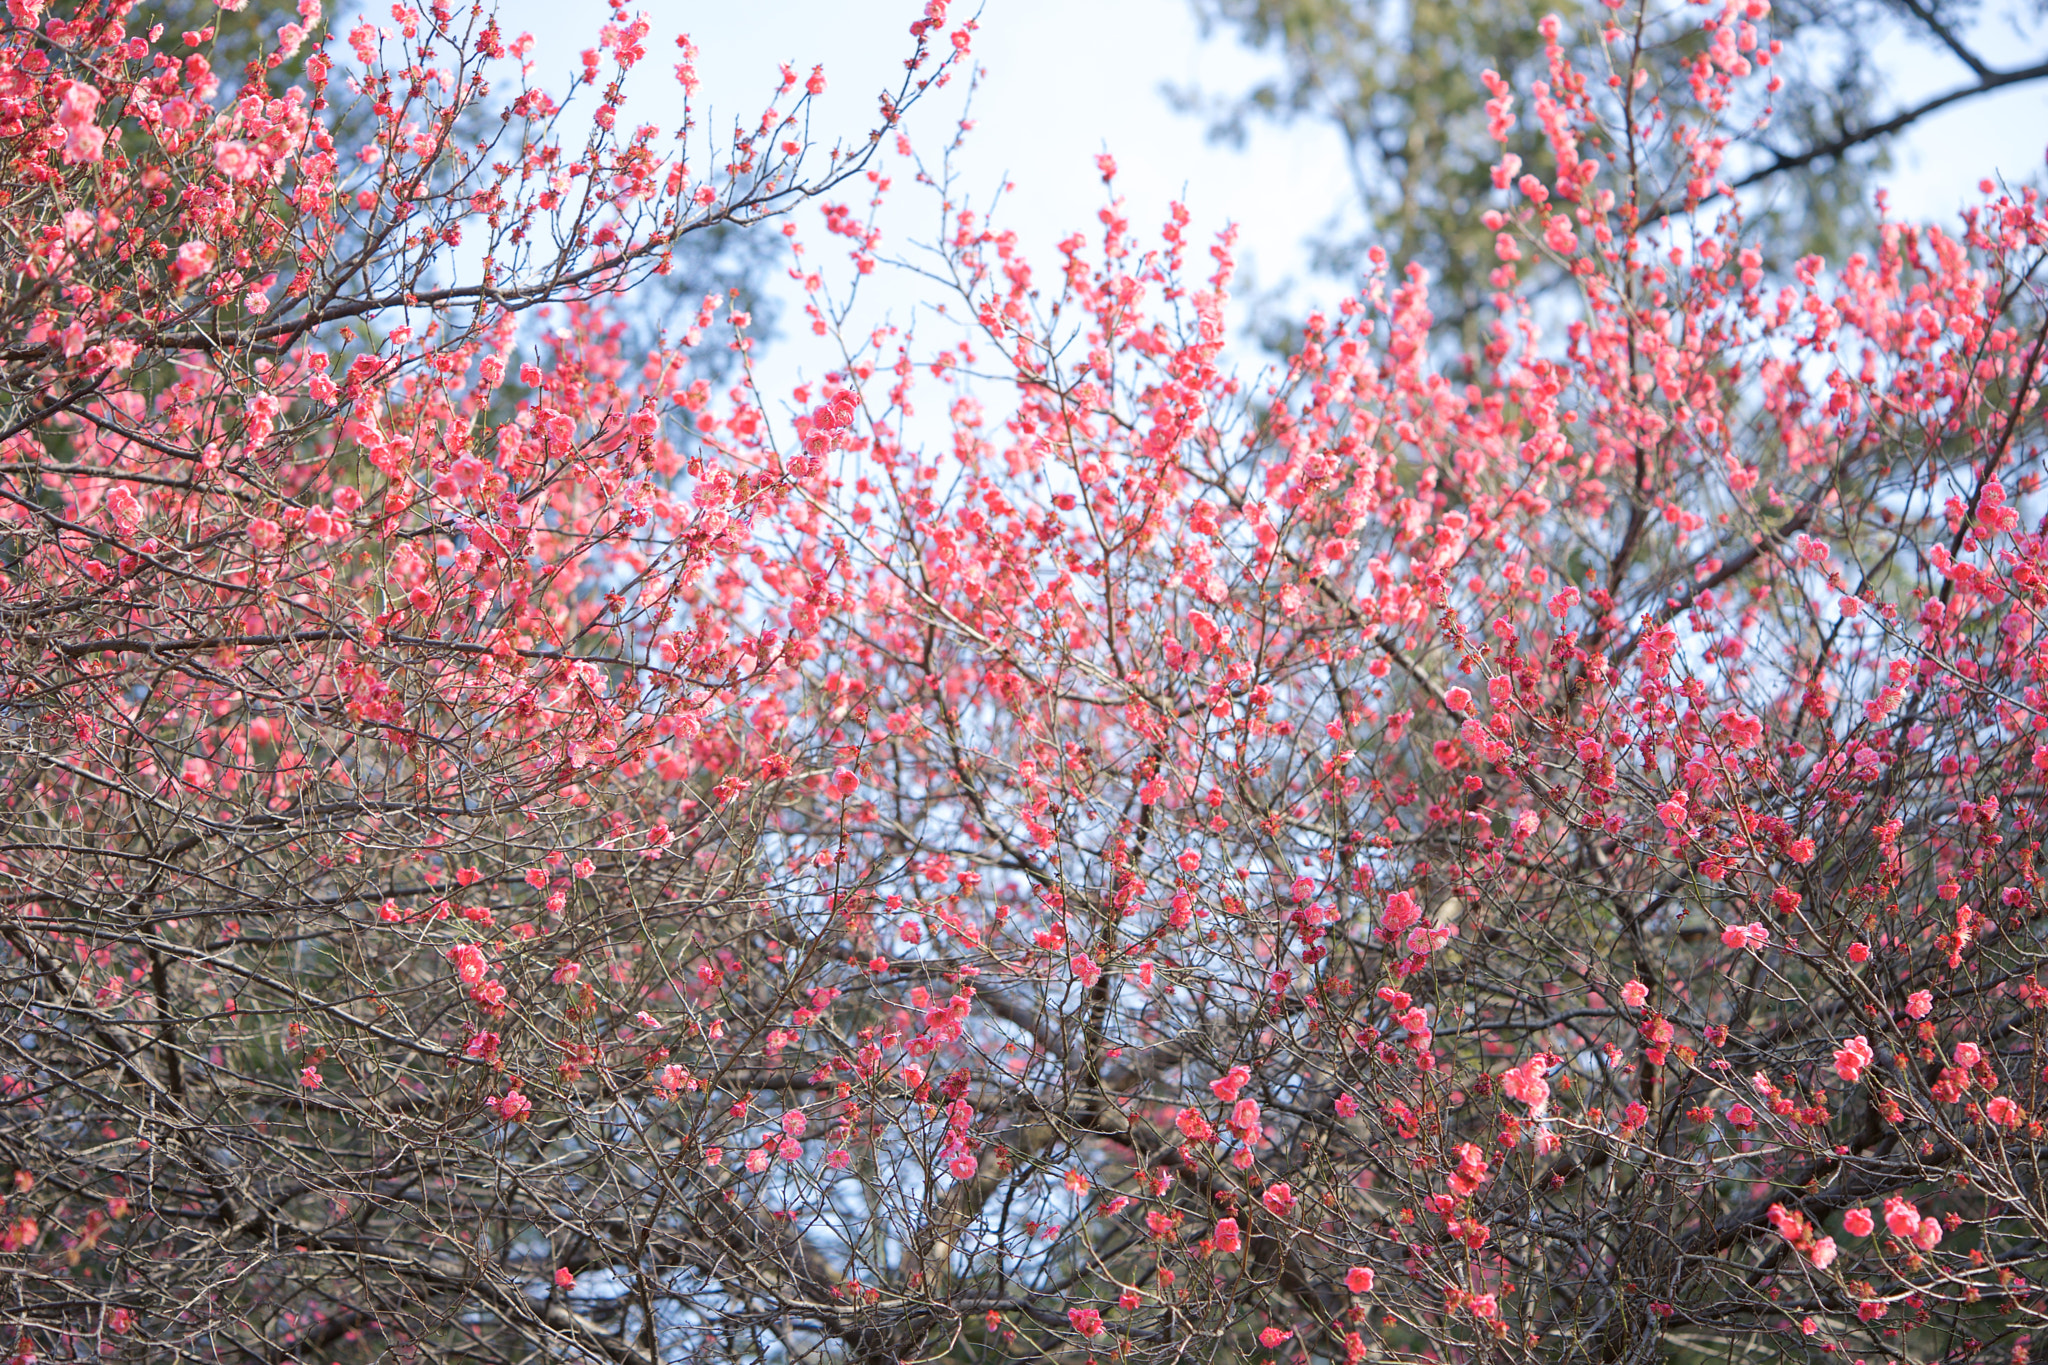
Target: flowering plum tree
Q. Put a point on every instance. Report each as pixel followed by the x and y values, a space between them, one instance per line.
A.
pixel 1055 851
pixel 336 602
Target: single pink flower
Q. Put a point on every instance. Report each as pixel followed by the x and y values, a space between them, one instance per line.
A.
pixel 512 1107
pixel 193 260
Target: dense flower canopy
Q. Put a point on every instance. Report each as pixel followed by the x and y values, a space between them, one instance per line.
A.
pixel 1038 844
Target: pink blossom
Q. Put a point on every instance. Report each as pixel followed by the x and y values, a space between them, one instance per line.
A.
pixel 1359 1280
pixel 1857 1223
pixel 1746 730
pixel 1278 1199
pixel 1560 236
pixel 237 160
pixel 565 1278
pixel 1231 1084
pixel 2001 1110
pixel 1086 1321
pixel 1751 936
pixel 1920 1004
pixel 1527 1084
pixel 1226 1236
pixel 1271 1337
pixel 1244 1119
pixel 1425 939
pixel 77 109
pixel 512 1107
pixel 1634 994
pixel 470 965
pixel 1470 1172
pixel 1401 911
pixel 1852 1057
pixel 193 260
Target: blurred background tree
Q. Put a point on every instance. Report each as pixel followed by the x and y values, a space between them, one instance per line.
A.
pixel 1401 83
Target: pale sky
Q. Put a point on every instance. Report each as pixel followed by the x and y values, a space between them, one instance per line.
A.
pixel 1067 79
